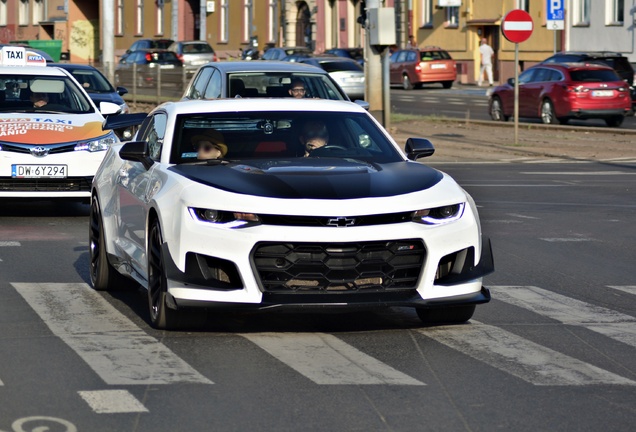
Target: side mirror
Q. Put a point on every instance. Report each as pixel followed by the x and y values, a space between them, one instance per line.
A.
pixel 121 90
pixel 137 151
pixel 363 104
pixel 511 82
pixel 418 147
pixel 109 108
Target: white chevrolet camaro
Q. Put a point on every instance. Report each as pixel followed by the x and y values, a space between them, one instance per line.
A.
pixel 282 203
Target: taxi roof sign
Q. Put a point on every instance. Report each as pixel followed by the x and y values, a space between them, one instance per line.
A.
pixel 20 56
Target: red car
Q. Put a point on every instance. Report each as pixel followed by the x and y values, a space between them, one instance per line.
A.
pixel 558 93
pixel 413 67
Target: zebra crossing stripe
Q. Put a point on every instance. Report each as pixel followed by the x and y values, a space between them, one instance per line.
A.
pixel 112 402
pixel 527 360
pixel 112 345
pixel 325 359
pixel 567 310
pixel 629 289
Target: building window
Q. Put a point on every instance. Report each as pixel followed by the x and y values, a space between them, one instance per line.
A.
pixel 247 20
pixel 159 17
pixel 524 5
pixel 452 16
pixel 23 12
pixel 3 12
pixel 615 11
pixel 427 13
pixel 272 31
pixel 223 24
pixel 581 12
pixel 139 23
pixel 119 18
pixel 39 11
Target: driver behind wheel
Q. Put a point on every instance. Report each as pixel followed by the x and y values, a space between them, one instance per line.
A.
pixel 314 135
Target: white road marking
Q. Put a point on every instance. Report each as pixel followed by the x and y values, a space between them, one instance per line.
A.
pixel 520 357
pixel 325 359
pixel 112 345
pixel 581 173
pixel 9 243
pixel 567 310
pixel 112 401
pixel 566 239
pixel 630 289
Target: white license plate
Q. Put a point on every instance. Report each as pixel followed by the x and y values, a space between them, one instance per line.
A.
pixel 166 66
pixel 353 80
pixel 39 171
pixel 438 66
pixel 602 93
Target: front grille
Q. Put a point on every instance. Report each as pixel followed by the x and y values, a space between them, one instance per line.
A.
pixel 26 148
pixel 339 267
pixel 69 184
pixel 379 219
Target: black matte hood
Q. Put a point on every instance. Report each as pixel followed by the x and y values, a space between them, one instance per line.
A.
pixel 313 178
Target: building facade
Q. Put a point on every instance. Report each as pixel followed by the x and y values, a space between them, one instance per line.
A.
pixel 231 26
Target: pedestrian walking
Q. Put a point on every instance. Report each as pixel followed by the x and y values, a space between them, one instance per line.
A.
pixel 486 52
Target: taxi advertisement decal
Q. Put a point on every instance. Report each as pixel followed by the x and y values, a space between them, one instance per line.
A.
pixel 47 130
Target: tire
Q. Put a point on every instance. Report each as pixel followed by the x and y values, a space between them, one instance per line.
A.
pixel 406 83
pixel 161 316
pixel 449 315
pixel 103 275
pixel 447 84
pixel 614 121
pixel 548 116
pixel 496 110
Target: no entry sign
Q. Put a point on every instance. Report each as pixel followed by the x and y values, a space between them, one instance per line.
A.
pixel 517 26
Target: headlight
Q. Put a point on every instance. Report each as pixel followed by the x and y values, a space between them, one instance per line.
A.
pixel 439 215
pixel 225 218
pixel 98 144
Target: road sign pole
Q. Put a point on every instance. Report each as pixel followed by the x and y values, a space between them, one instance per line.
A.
pixel 516 94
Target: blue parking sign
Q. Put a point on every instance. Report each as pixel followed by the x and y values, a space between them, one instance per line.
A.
pixel 556 14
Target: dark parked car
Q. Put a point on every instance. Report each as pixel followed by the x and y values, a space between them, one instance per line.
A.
pixel 556 93
pixel 96 84
pixel 145 67
pixel 277 53
pixel 616 61
pixel 193 54
pixel 141 44
pixel 348 73
pixel 356 54
pixel 413 67
pixel 260 79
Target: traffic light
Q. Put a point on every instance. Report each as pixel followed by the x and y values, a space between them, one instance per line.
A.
pixel 362 18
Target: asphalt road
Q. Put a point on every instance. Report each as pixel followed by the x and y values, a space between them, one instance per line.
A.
pixel 554 350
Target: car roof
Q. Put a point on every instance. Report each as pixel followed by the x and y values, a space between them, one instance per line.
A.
pixel 261 104
pixel 591 53
pixel 264 66
pixel 573 66
pixel 49 70
pixel 73 66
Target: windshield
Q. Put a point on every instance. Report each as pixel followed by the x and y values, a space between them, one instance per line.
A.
pixel 594 75
pixel 34 93
pixel 336 66
pixel 92 81
pixel 277 84
pixel 282 135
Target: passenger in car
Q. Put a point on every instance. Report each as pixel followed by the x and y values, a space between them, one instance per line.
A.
pixel 314 135
pixel 209 145
pixel 297 89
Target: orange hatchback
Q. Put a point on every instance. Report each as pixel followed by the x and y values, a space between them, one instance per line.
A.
pixel 413 67
pixel 557 93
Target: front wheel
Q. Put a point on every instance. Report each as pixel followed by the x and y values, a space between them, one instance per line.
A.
pixel 448 315
pixel 496 110
pixel 447 84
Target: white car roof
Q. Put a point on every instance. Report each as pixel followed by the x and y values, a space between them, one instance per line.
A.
pixel 260 104
pixel 32 70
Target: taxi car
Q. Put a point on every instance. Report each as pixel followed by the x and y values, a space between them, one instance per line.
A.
pixel 50 147
pixel 279 220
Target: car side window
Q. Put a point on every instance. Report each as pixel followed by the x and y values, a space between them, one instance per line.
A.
pixel 401 56
pixel 155 133
pixel 411 56
pixel 526 77
pixel 213 90
pixel 541 75
pixel 200 82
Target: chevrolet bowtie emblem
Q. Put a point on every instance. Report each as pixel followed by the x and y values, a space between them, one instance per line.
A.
pixel 341 222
